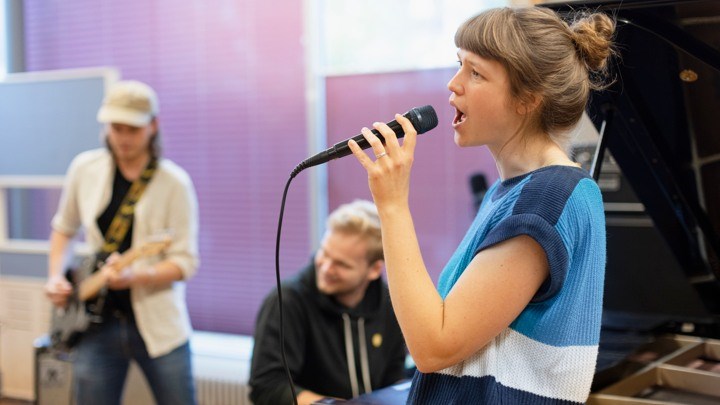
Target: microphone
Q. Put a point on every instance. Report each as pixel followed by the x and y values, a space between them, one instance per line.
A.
pixel 423 119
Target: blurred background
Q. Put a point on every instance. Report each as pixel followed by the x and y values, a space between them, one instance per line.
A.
pixel 247 91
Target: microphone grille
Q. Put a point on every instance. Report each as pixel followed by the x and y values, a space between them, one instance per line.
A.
pixel 423 118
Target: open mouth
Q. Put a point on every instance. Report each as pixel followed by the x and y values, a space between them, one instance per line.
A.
pixel 459 117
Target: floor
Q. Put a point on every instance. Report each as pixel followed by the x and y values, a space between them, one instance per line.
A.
pixel 8 401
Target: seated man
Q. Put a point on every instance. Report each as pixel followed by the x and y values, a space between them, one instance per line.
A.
pixel 341 335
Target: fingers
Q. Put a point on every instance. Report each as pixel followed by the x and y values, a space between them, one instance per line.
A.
pixel 58 300
pixel 360 155
pixel 377 146
pixel 112 258
pixel 58 285
pixel 410 133
pixel 58 291
pixel 391 141
pixel 108 271
pixel 391 146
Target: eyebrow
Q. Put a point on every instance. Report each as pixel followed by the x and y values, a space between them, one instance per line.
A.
pixel 469 60
pixel 335 259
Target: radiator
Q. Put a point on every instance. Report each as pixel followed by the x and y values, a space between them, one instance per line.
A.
pixel 221 367
pixel 219 392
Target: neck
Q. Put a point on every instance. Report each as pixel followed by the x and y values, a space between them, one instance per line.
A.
pixel 527 152
pixel 351 299
pixel 132 168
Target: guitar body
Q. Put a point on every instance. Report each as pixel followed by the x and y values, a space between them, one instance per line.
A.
pixel 68 323
pixel 85 305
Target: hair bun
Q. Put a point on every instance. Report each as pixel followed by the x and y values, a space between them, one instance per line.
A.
pixel 593 34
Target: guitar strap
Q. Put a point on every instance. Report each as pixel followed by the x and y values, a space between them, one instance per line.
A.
pixel 121 222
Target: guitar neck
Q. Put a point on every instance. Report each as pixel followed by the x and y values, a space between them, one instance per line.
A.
pixel 126 259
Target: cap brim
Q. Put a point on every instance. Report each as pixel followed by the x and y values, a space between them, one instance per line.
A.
pixel 115 115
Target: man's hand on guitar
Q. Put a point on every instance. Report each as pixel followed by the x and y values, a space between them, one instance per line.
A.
pixel 117 278
pixel 58 289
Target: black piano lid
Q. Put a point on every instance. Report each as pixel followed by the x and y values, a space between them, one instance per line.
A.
pixel 663 131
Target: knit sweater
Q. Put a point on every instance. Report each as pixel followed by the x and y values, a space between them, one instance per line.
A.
pixel 547 355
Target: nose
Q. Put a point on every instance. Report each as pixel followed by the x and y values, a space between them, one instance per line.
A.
pixel 454 84
pixel 325 266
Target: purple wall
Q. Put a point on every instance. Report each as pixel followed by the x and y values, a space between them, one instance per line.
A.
pixel 232 99
pixel 232 113
pixel 440 197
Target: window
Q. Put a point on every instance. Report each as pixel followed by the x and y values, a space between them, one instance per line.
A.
pixel 3 41
pixel 407 35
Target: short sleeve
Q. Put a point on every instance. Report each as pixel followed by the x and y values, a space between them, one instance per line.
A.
pixel 545 234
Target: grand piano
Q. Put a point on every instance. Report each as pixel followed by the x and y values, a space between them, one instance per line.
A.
pixel 658 165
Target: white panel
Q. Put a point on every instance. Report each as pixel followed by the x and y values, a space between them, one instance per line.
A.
pixel 24 316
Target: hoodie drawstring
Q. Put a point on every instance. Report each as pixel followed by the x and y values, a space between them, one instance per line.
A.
pixel 364 356
pixel 350 354
pixel 352 371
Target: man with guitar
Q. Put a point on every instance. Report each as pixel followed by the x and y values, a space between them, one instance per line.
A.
pixel 122 197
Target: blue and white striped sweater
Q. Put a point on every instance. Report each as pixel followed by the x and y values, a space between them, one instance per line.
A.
pixel 548 354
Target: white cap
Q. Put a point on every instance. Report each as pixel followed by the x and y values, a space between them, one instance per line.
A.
pixel 129 102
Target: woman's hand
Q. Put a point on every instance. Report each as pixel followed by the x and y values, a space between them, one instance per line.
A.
pixel 389 173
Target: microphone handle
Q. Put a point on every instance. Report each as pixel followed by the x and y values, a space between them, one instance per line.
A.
pixel 341 149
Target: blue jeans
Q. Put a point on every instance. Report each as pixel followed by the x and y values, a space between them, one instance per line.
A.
pixel 102 359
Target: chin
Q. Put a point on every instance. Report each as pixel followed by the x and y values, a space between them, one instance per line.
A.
pixel 325 289
pixel 126 155
pixel 459 141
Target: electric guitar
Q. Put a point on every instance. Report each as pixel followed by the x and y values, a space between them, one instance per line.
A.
pixel 69 322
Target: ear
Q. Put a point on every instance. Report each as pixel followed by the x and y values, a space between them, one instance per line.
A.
pixel 154 124
pixel 527 104
pixel 375 270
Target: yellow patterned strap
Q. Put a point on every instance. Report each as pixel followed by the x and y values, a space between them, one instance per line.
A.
pixel 121 222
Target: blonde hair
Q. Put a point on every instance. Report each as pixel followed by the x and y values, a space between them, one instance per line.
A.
pixel 359 217
pixel 546 57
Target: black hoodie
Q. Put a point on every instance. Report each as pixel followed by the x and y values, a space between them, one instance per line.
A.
pixel 320 334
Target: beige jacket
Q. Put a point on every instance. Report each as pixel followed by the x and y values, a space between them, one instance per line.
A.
pixel 169 203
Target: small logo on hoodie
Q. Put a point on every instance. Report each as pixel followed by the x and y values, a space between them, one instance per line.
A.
pixel 377 340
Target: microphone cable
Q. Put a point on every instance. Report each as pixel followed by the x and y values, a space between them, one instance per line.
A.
pixel 279 289
pixel 423 119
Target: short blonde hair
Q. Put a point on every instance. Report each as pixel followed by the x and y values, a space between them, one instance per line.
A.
pixel 359 217
pixel 545 56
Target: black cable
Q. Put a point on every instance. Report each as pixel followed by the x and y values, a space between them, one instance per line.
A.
pixel 279 290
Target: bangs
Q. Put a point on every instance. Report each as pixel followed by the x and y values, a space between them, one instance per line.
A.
pixel 484 33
